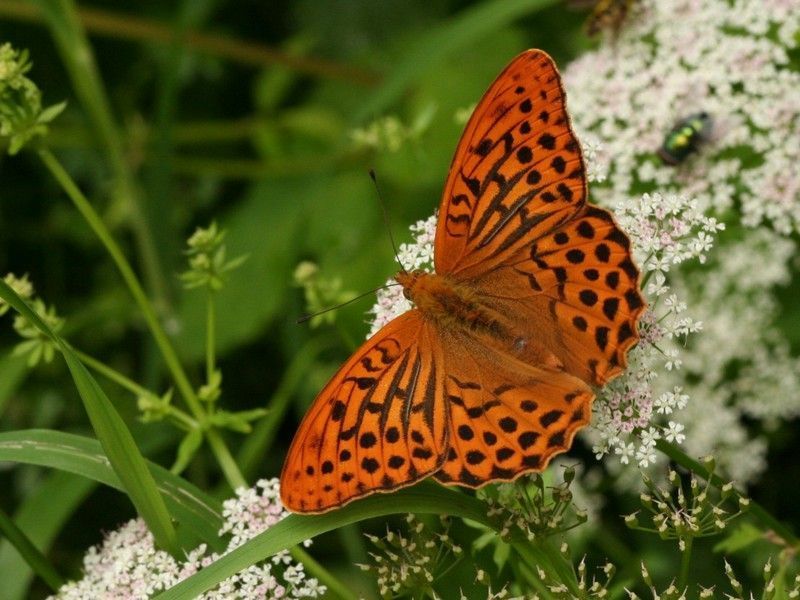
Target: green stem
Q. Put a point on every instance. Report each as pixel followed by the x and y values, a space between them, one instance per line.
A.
pixel 181 419
pixel 225 459
pixel 754 508
pixel 148 312
pixel 217 444
pixel 256 445
pixel 176 414
pixel 29 552
pixel 130 27
pixel 686 560
pixel 561 565
pixel 523 571
pixel 211 319
pixel 62 17
pixel 548 557
pixel 112 374
pixel 335 587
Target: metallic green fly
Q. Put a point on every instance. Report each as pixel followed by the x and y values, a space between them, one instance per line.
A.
pixel 685 137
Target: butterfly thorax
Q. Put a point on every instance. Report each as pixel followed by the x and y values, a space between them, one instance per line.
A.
pixel 449 303
pixel 455 305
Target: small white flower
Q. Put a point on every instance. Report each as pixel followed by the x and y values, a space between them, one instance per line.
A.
pixel 673 432
pixel 625 452
pixel 673 359
pixel 646 455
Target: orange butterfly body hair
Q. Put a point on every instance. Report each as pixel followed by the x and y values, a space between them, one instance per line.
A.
pixel 447 303
pixel 534 301
pixel 454 306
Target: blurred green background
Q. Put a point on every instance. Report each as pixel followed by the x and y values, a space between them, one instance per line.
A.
pixel 243 112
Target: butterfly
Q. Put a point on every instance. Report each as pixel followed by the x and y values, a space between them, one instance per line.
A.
pixel 534 300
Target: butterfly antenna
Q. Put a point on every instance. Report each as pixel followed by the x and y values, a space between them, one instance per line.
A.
pixel 305 318
pixel 386 218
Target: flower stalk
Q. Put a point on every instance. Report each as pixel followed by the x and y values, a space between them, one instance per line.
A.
pixel 216 443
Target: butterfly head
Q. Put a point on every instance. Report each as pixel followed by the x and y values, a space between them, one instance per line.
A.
pixel 410 280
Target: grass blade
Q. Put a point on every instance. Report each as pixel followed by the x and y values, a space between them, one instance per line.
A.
pixel 111 431
pixel 426 497
pixel 84 456
pixel 62 18
pixel 29 552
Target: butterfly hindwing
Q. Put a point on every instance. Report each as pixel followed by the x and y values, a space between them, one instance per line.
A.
pixel 517 171
pixel 376 426
pixel 506 417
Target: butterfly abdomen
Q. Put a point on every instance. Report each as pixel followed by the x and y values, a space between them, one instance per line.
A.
pixel 449 304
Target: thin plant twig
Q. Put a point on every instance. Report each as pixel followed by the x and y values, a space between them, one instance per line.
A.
pixel 129 27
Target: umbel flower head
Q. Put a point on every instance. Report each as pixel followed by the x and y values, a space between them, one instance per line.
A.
pixel 736 62
pixel 683 57
pixel 128 565
pixel 408 564
pixel 21 115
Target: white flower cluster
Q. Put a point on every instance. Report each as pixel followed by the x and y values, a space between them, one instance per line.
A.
pixel 128 565
pixel 733 61
pixel 665 231
pixel 729 59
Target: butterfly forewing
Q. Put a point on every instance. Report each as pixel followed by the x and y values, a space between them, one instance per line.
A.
pixel 377 425
pixel 517 171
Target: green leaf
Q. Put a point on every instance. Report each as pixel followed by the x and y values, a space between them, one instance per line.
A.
pixel 29 552
pixel 84 456
pixel 42 520
pixel 13 371
pixel 117 441
pixel 472 24
pixel 739 538
pixel 51 112
pixel 188 447
pixel 425 497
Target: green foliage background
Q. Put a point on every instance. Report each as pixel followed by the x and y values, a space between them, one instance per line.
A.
pixel 259 142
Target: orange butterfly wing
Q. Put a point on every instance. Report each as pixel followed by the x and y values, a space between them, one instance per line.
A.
pixel 378 425
pixel 507 417
pixel 515 226
pixel 517 171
